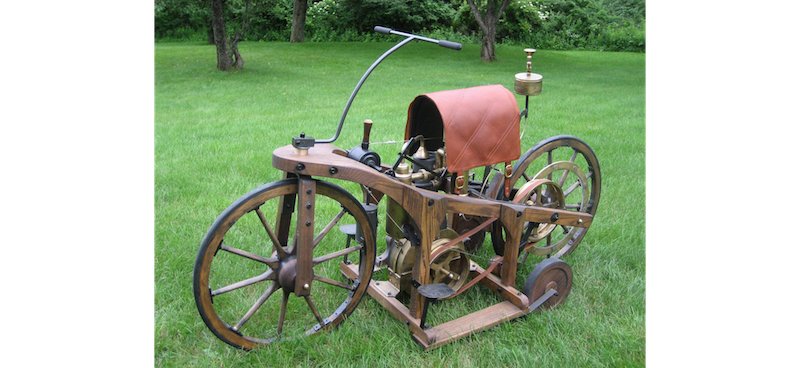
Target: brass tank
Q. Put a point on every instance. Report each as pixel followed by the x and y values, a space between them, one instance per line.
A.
pixel 528 83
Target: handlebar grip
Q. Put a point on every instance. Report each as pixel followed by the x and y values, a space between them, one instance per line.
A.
pixel 450 45
pixel 383 30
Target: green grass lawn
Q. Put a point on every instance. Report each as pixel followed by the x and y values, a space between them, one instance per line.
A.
pixel 215 132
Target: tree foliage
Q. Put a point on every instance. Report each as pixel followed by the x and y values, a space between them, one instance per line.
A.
pixel 611 25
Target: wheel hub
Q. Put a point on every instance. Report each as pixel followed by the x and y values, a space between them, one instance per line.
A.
pixel 540 192
pixel 287 274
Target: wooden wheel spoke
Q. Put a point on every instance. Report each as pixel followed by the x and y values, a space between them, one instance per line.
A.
pixel 328 227
pixel 282 314
pixel 269 275
pixel 330 256
pixel 573 206
pixel 572 188
pixel 271 262
pixel 527 178
pixel 314 310
pixel 574 155
pixel 272 288
pixel 566 172
pixel 276 244
pixel 334 282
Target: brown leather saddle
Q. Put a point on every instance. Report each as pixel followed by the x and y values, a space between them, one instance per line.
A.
pixel 479 124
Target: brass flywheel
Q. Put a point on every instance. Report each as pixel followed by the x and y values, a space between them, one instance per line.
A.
pixel 449 265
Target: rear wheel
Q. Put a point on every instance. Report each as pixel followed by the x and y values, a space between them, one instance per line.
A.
pixel 572 165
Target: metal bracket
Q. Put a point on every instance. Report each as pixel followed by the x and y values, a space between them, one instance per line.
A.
pixel 538 302
pixel 410 234
pixel 302 142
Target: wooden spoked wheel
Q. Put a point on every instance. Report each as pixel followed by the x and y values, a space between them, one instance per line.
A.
pixel 249 261
pixel 572 165
pixel 552 273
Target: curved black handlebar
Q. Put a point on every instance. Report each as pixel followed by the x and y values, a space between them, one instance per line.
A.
pixel 443 43
pixel 384 30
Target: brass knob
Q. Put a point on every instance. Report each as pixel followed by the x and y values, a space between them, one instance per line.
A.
pixel 530 56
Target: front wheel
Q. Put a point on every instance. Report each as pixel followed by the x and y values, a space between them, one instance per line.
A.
pixel 247 265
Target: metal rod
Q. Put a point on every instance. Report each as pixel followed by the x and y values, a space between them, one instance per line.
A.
pixel 525 113
pixel 384 30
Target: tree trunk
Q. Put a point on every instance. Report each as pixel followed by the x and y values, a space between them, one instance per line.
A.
pixel 299 21
pixel 488 25
pixel 239 60
pixel 487 41
pixel 224 59
pixel 487 48
pixel 210 32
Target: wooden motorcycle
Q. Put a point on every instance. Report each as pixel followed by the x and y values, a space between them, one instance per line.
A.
pixel 270 269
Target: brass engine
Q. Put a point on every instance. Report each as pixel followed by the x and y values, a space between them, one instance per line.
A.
pixel 449 265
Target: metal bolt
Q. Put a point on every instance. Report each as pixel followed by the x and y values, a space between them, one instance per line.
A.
pixel 308 205
pixel 308 223
pixel 300 167
pixel 306 286
pixel 333 170
pixel 308 191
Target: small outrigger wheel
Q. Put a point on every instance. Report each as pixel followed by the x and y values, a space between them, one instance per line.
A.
pixel 552 273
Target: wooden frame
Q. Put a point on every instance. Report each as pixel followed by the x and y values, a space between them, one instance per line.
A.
pixel 427 208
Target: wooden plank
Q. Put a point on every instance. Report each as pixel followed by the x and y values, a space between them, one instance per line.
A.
pixel 429 214
pixel 507 292
pixel 446 332
pixel 321 161
pixel 472 323
pixel 513 222
pixel 394 306
pixel 306 193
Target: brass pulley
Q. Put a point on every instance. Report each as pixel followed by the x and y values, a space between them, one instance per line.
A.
pixel 449 266
pixel 528 83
